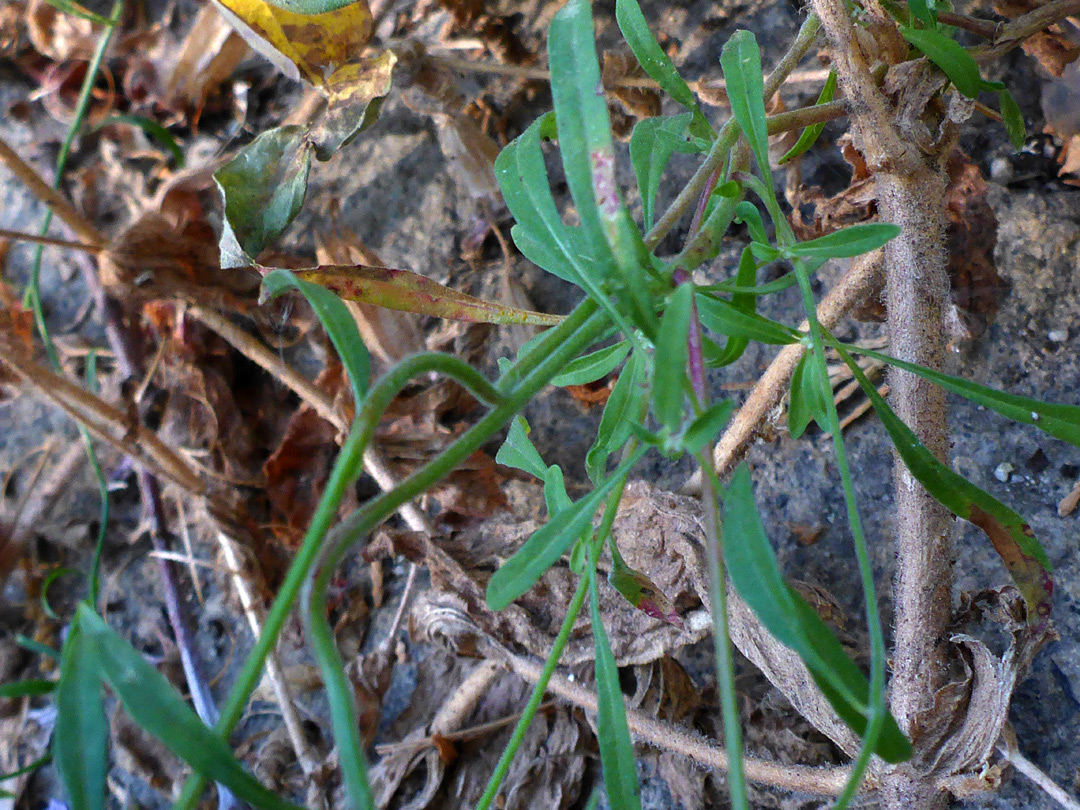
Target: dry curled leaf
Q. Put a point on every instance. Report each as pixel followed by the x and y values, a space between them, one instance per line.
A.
pixel 1052 48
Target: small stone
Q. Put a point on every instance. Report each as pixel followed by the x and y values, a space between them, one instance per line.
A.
pixel 1003 471
pixel 1057 335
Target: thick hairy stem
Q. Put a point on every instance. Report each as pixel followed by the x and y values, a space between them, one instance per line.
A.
pixel 910 189
pixel 917 287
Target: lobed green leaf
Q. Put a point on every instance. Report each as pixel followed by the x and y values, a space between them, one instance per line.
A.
pixel 846 242
pixel 588 155
pixel 1060 421
pixel 519 452
pixel 720 316
pixel 635 30
pixel 1013 120
pixel 706 427
pixel 652 143
pixel 809 136
pixel 740 60
pixel 623 409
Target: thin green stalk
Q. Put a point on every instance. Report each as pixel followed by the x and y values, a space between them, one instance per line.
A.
pixel 103 489
pixel 725 659
pixel 537 696
pixel 33 289
pixel 877 712
pixel 729 133
pixel 578 331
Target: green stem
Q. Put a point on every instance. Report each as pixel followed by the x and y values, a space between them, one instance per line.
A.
pixel 580 329
pixel 537 696
pixel 876 712
pixel 33 289
pixel 725 659
pixel 721 147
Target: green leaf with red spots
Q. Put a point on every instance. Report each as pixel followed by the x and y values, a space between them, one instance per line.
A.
pixel 411 292
pixel 1010 534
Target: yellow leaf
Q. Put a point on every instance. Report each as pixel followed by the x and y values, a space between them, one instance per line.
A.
pixel 312 46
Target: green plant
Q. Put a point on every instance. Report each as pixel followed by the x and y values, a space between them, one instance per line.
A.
pixel 668 331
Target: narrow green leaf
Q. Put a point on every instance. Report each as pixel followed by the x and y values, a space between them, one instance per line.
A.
pixel 846 242
pixel 32 687
pixel 669 363
pixel 1060 421
pixel 37 647
pixel 1013 120
pixel 799 413
pixel 262 189
pixel 622 410
pixel 405 291
pixel 1010 534
pixel 336 319
pixel 747 212
pixel 517 451
pixel 80 11
pixel 612 731
pixel 756 575
pixel 745 277
pixel 652 143
pixel 740 60
pixel 81 739
pixel 155 706
pixel 707 427
pixel 924 11
pixel 656 63
pixel 593 366
pixel 153 129
pixel 809 399
pixel 25 769
pixel 588 155
pixel 546 545
pixel 540 232
pixel 810 135
pixel 954 61
pixel 720 316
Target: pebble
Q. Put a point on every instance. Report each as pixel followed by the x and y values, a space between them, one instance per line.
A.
pixel 1003 471
pixel 1057 335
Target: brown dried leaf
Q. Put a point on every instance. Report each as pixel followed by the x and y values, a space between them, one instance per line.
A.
pixel 299 467
pixel 971 234
pixel 627 103
pixel 971 712
pixel 143 755
pixel 419 749
pixel 207 57
pixel 154 258
pixel 1052 48
pixel 60 36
